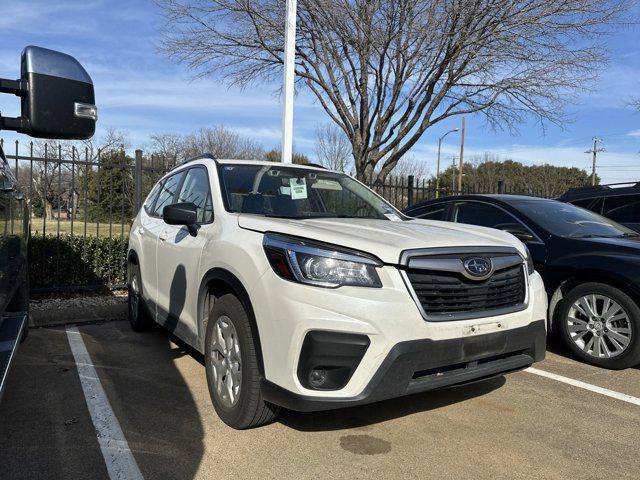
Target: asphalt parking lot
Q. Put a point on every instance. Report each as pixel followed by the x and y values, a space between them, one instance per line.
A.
pixel 521 426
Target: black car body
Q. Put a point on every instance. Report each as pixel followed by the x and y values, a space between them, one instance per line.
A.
pixel 14 284
pixel 619 202
pixel 570 247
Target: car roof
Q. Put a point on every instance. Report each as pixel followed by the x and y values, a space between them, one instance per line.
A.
pixel 208 158
pixel 601 191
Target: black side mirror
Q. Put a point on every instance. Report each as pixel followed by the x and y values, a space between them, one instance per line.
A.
pixel 182 214
pixel 520 234
pixel 517 231
pixel 57 95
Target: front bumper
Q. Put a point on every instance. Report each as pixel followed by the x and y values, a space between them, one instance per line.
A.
pixel 422 365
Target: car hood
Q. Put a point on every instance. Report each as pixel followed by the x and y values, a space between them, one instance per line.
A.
pixel 630 245
pixel 385 239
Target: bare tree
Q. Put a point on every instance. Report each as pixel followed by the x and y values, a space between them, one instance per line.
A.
pixel 52 179
pixel 222 142
pixel 333 148
pixel 387 70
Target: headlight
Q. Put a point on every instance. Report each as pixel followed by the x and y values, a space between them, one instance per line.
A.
pixel 529 259
pixel 305 261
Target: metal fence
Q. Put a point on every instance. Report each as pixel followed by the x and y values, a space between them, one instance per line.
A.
pixel 82 203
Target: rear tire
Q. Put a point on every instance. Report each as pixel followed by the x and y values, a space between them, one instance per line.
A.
pixel 231 362
pixel 138 316
pixel 600 325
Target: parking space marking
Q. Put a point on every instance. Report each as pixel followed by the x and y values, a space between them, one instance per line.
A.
pixel 118 457
pixel 587 386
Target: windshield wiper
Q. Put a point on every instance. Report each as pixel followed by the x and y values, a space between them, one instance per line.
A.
pixel 629 235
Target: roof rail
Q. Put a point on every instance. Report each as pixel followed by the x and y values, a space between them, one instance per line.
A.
pixel 204 156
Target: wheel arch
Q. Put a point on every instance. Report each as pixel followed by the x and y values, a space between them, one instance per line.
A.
pixel 215 283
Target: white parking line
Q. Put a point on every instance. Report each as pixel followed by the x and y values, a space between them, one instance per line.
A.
pixel 587 386
pixel 120 462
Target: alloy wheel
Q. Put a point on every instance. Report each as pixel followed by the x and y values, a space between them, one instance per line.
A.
pixel 599 326
pixel 226 361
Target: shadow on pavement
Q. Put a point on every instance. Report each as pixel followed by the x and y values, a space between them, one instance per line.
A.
pixel 150 397
pixel 365 415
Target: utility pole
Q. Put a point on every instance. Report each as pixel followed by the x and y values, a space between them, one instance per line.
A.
pixel 461 157
pixel 595 152
pixel 289 78
pixel 438 169
pixel 453 174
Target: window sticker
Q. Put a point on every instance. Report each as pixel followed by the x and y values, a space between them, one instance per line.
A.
pixel 298 188
pixel 285 190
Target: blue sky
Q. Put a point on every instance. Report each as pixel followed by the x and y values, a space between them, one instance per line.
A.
pixel 140 91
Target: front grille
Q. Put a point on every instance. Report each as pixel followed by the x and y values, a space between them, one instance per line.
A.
pixel 451 293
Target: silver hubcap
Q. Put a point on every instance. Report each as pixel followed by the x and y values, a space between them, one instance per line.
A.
pixel 599 326
pixel 226 361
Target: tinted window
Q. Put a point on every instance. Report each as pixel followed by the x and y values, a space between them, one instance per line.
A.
pixel 167 193
pixel 148 205
pixel 195 189
pixel 624 208
pixel 587 203
pixel 566 220
pixel 484 215
pixel 431 212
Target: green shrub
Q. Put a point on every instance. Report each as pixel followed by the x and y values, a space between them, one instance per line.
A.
pixel 77 261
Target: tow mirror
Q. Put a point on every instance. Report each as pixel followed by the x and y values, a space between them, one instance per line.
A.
pixel 57 97
pixel 182 214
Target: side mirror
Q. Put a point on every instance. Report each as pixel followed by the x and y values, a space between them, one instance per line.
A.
pixel 517 231
pixel 57 95
pixel 182 214
pixel 520 234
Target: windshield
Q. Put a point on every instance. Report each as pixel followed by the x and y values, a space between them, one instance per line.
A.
pixel 566 220
pixel 293 192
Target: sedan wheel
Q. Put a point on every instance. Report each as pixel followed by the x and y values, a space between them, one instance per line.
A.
pixel 599 326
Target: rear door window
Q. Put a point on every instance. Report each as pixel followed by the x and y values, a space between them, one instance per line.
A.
pixel 623 208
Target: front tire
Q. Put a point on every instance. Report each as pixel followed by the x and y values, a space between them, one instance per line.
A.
pixel 138 316
pixel 600 325
pixel 231 362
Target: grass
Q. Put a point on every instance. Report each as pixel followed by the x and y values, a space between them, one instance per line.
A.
pixel 93 229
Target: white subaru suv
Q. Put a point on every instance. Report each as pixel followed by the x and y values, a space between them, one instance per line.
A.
pixel 306 290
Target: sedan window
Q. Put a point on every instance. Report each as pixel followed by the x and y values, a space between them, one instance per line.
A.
pixel 483 215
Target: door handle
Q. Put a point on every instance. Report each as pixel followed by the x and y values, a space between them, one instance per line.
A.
pixel 163 236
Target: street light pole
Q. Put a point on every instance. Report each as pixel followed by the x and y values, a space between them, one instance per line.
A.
pixel 289 78
pixel 438 168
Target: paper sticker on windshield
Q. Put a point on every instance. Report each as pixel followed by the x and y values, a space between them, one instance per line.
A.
pixel 393 217
pixel 298 188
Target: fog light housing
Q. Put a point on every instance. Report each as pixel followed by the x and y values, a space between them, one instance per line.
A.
pixel 328 359
pixel 317 378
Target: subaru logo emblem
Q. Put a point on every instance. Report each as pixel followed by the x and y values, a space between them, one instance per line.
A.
pixel 478 267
